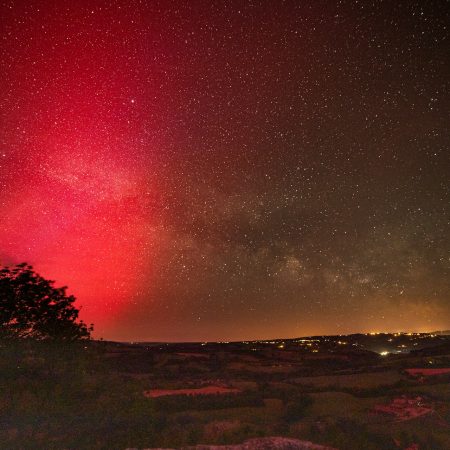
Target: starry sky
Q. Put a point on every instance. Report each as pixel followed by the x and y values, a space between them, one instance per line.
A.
pixel 224 170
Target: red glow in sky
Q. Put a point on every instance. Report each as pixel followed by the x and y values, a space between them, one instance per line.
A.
pixel 78 203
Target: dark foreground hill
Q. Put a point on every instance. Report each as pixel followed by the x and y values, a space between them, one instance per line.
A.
pixel 330 391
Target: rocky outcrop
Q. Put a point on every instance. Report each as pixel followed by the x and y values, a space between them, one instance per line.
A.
pixel 269 443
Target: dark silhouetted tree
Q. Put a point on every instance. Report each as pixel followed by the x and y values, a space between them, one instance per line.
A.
pixel 31 307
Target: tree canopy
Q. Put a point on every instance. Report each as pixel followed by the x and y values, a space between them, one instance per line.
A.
pixel 32 307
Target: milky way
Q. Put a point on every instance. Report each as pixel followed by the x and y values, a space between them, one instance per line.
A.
pixel 230 170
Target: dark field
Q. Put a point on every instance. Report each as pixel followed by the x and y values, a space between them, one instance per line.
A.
pixel 332 391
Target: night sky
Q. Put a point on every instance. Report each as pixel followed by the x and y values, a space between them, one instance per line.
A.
pixel 223 170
